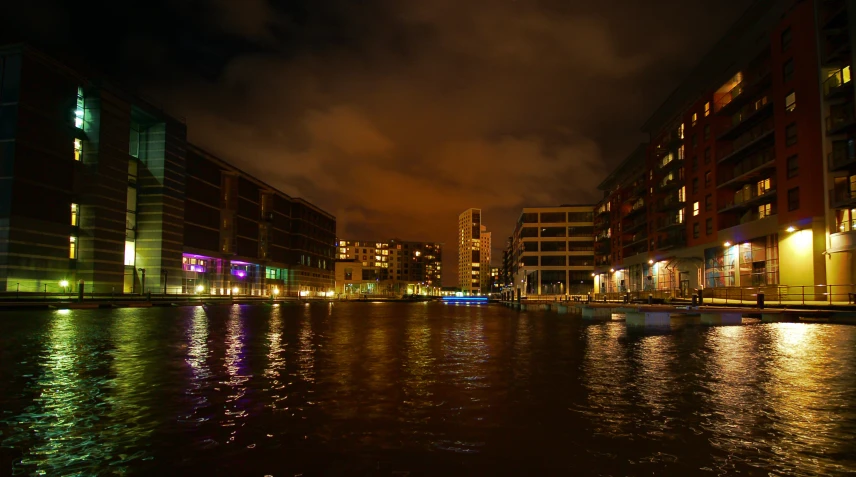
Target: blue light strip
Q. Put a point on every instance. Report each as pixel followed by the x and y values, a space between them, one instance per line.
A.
pixel 465 299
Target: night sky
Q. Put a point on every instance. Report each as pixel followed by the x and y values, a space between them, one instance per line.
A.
pixel 396 115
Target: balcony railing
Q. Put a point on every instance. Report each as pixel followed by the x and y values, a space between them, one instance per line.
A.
pixel 745 142
pixel 635 224
pixel 837 83
pixel 671 241
pixel 747 197
pixel 747 116
pixel 668 223
pixel 752 81
pixel 840 118
pixel 670 202
pixel 843 155
pixel 747 169
pixel 844 192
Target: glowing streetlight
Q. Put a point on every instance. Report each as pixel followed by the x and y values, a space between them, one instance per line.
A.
pixel 63 283
pixel 650 262
pixel 235 290
pixel 727 244
pixel 611 270
pixel 275 291
pixel 199 288
pixel 791 229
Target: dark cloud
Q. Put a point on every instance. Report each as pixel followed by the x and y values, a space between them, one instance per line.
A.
pixel 396 116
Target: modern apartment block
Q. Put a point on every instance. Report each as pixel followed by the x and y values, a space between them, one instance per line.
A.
pixel 553 251
pixel 484 260
pixel 395 261
pixel 102 187
pixel 470 252
pixel 748 176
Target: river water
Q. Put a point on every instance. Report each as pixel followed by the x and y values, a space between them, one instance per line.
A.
pixel 418 389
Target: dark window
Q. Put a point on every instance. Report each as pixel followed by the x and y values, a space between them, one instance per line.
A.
pixel 575 261
pixel 551 246
pixel 706 132
pixel 793 166
pixel 708 225
pixel 580 216
pixel 529 232
pixel 531 261
pixel 553 261
pixel 794 198
pixel 707 155
pixel 530 246
pixel 695 185
pixel 695 163
pixel 788 70
pixel 708 177
pixel 787 36
pixel 708 202
pixel 553 232
pixel 695 230
pixel 791 134
pixel 580 231
pixel 695 140
pixel 530 218
pixel 552 217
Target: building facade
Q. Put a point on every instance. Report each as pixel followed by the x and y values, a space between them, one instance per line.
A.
pixel 553 251
pixel 748 177
pixel 100 187
pixel 485 278
pixel 470 252
pixel 393 268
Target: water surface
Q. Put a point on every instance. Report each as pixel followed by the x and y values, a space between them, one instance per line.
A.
pixel 430 389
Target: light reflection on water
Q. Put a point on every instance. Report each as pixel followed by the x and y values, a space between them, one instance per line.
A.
pixel 353 388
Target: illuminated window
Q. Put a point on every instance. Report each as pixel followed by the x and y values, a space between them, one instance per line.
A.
pixel 707 109
pixel 695 119
pixel 75 213
pixel 682 194
pixel 763 186
pixel 680 216
pixel 78 149
pixel 130 253
pixel 681 153
pixel 78 112
pixel 765 210
pixel 72 247
pixel 695 209
pixel 790 101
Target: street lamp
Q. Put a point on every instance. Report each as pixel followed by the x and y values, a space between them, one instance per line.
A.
pixel 199 288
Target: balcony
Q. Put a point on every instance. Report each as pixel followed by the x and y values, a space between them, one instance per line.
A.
pixel 840 118
pixel 670 202
pixel 748 142
pixel 843 155
pixel 836 47
pixel 833 15
pixel 751 83
pixel 748 170
pixel 748 116
pixel 637 207
pixel 671 241
pixel 676 161
pixel 838 84
pixel 632 226
pixel 844 192
pixel 669 223
pixel 748 197
pixel 601 237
